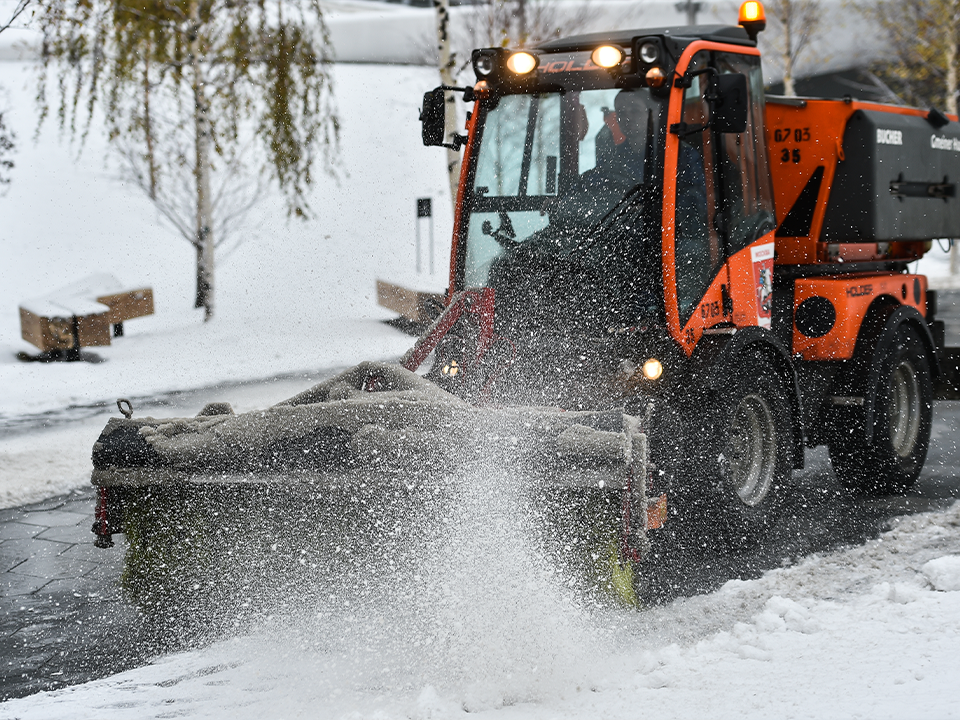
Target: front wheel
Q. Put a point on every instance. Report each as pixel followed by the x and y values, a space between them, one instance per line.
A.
pixel 903 410
pixel 745 463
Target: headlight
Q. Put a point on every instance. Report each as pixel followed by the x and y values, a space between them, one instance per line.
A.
pixel 522 63
pixel 652 369
pixel 607 56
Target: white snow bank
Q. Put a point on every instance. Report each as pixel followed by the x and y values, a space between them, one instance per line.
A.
pixel 35 466
pixel 944 573
pixel 855 633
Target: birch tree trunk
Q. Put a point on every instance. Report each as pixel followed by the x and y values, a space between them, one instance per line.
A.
pixel 201 172
pixel 788 55
pixel 447 63
pixel 951 82
pixel 148 132
pixel 788 87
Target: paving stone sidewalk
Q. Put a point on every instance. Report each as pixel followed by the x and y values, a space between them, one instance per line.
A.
pixel 63 619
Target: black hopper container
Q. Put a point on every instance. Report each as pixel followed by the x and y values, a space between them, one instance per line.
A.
pixel 898 179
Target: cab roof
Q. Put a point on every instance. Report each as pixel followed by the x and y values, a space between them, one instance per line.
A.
pixel 681 35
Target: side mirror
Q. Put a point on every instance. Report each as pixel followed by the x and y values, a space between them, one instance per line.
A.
pixel 433 117
pixel 729 111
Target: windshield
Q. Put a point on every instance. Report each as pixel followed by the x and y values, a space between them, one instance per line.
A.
pixel 558 192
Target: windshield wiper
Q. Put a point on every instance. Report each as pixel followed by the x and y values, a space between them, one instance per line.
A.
pixel 505 234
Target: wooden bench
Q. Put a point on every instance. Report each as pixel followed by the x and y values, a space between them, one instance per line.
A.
pixel 81 315
pixel 420 307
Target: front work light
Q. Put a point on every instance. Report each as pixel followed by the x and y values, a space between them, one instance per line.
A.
pixel 752 18
pixel 655 77
pixel 522 63
pixel 652 369
pixel 607 56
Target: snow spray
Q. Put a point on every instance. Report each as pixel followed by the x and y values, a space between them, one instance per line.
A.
pixel 467 609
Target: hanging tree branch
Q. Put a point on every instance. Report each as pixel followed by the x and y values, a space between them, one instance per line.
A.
pixel 19 9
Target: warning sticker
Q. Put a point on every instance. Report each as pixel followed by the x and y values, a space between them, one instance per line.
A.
pixel 762 257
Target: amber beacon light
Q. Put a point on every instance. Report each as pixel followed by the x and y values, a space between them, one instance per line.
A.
pixel 752 18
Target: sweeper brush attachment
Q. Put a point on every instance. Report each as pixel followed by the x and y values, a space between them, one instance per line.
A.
pixel 367 444
pixel 339 433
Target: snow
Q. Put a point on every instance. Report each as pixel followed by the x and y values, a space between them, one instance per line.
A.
pixel 943 573
pixel 76 298
pixel 855 633
pixel 486 629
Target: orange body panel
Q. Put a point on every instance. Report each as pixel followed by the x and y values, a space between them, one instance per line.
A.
pixel 851 296
pixel 805 135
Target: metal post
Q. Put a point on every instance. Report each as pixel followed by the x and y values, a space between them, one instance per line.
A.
pixel 424 210
pixel 691 8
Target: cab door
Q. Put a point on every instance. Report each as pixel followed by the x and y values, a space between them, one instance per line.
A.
pixel 722 208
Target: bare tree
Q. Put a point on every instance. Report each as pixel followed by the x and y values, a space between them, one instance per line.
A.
pixel 183 85
pixel 235 187
pixel 18 9
pixel 7 139
pixel 521 23
pixel 923 36
pixel 795 23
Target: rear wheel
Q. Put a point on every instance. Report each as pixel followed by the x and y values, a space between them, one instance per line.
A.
pixel 903 409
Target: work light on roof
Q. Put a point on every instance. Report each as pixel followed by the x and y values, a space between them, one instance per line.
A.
pixel 483 65
pixel 649 53
pixel 607 56
pixel 522 63
pixel 751 11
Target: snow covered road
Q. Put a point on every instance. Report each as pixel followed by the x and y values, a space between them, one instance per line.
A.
pixel 838 613
pixel 870 631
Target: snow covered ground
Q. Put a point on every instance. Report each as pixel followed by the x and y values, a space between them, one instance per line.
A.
pixel 870 631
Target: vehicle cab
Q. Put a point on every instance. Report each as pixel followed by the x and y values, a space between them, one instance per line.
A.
pixel 616 186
